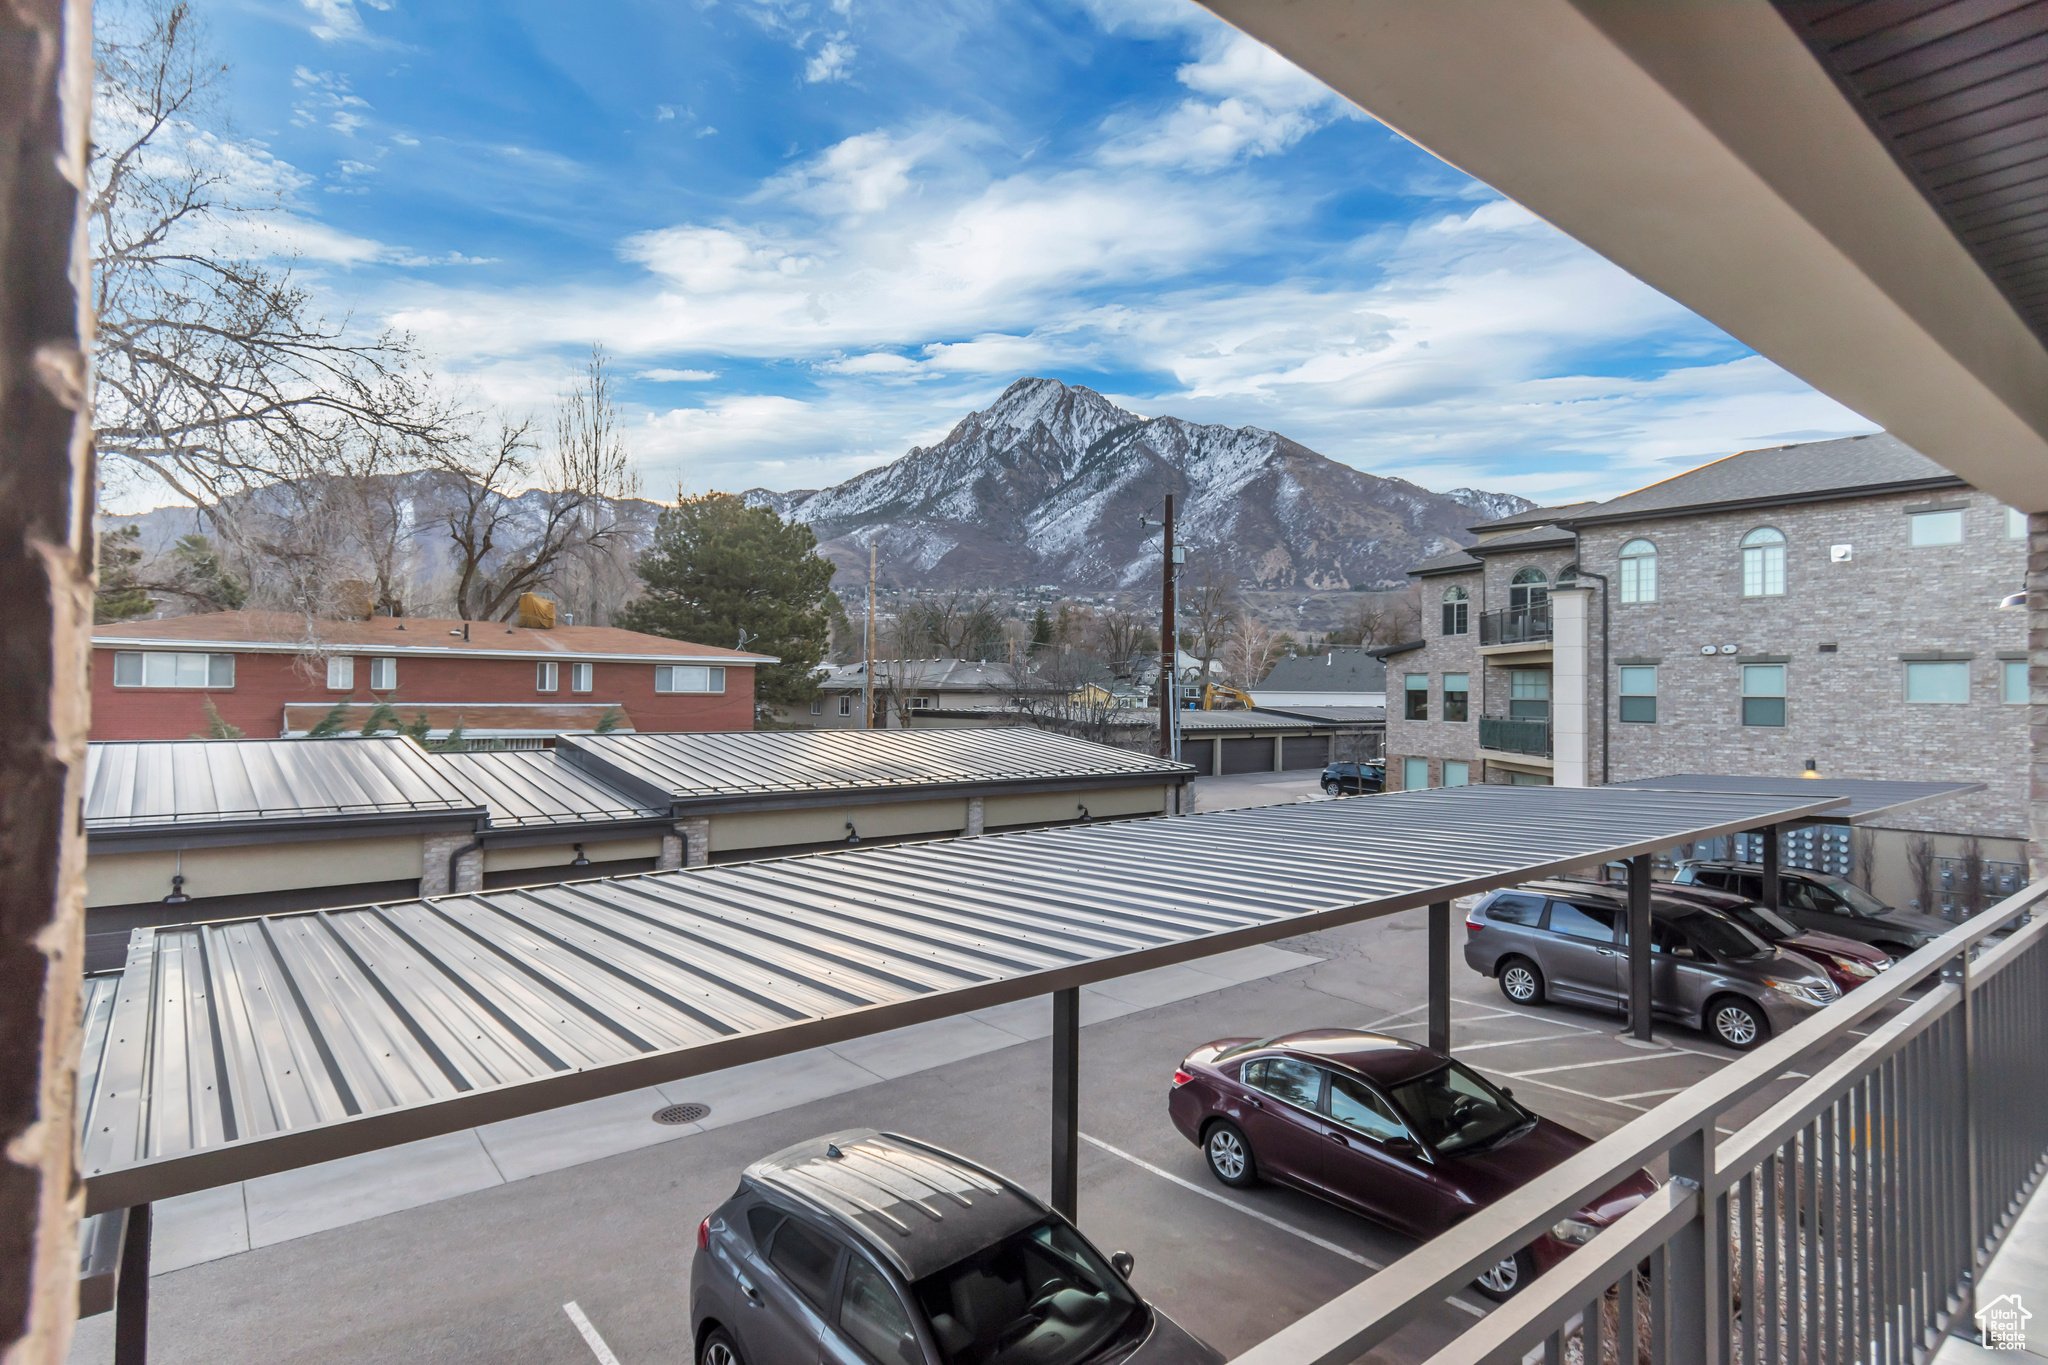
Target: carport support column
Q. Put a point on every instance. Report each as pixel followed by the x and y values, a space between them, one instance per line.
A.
pixel 974 817
pixel 695 833
pixel 1639 946
pixel 1066 1102
pixel 1570 687
pixel 1279 754
pixel 1770 867
pixel 1216 757
pixel 131 1291
pixel 1440 976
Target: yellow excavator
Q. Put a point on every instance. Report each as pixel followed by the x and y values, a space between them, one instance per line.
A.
pixel 1217 697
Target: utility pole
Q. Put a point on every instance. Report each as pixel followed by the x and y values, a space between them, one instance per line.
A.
pixel 867 689
pixel 1169 647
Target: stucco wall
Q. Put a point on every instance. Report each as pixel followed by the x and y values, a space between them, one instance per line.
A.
pixel 776 829
pixel 1048 808
pixel 131 878
pixel 561 855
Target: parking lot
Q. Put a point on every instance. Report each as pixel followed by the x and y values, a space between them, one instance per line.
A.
pixel 487 1275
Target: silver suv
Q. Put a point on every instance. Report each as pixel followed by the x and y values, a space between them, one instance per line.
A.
pixel 1568 942
pixel 866 1248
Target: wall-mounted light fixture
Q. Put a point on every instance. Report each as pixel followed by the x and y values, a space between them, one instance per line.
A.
pixel 852 834
pixel 2014 602
pixel 1085 817
pixel 579 860
pixel 177 896
pixel 1812 770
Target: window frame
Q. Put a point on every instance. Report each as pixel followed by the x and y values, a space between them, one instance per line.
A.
pixel 1770 562
pixel 1515 676
pixel 1534 586
pixel 343 667
pixel 142 683
pixel 1457 603
pixel 547 676
pixel 1411 709
pixel 386 665
pixel 1643 715
pixel 1763 698
pixel 1950 669
pixel 823 1298
pixel 2015 524
pixel 1464 767
pixel 846 703
pixel 1462 693
pixel 1917 522
pixel 714 674
pixel 1637 580
pixel 582 677
pixel 2008 670
pixel 1407 768
pixel 853 1263
pixel 1314 1106
pixel 1401 1131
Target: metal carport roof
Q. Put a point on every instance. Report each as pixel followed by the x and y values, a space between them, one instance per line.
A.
pixel 243 1047
pixel 540 787
pixel 1869 799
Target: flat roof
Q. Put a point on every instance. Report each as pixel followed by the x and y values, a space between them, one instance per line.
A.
pixel 284 632
pixel 1332 715
pixel 240 1048
pixel 540 787
pixel 1868 799
pixel 717 767
pixel 152 785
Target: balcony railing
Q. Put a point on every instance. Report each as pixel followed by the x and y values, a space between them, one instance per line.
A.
pixel 1515 626
pixel 1514 736
pixel 1848 1222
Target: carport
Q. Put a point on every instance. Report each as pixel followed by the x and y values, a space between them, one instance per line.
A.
pixel 245 1047
pixel 1861 801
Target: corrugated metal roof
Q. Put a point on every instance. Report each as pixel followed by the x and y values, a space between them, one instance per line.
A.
pixel 703 766
pixel 163 783
pixel 242 1047
pixel 541 787
pixel 1333 715
pixel 1868 798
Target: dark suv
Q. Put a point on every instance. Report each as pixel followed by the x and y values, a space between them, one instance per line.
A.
pixel 1820 900
pixel 867 1248
pixel 1344 779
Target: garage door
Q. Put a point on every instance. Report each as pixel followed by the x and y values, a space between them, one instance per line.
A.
pixel 1200 754
pixel 1305 751
pixel 1247 755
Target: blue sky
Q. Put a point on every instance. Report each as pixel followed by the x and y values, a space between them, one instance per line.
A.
pixel 814 234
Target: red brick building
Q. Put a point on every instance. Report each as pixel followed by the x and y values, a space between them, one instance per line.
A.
pixel 268 676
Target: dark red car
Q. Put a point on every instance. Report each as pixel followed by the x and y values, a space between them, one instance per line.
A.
pixel 1383 1127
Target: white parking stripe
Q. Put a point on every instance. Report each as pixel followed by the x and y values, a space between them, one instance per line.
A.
pixel 1463 1048
pixel 1251 1212
pixel 1580 1066
pixel 591 1338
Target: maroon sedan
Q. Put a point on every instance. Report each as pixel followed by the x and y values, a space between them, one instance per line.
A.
pixel 1386 1128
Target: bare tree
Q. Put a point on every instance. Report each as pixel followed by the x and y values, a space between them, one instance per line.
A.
pixel 214 372
pixel 1377 619
pixel 1208 606
pixel 1920 860
pixel 1118 632
pixel 1249 650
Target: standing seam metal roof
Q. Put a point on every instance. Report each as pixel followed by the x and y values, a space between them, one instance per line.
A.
pixel 526 787
pixel 243 1047
pixel 141 785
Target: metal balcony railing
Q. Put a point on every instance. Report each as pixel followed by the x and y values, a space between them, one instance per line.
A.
pixel 1515 626
pixel 1849 1222
pixel 1514 736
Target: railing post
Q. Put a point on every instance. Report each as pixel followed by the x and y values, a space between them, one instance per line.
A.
pixel 1770 867
pixel 1066 1102
pixel 131 1291
pixel 1696 1259
pixel 1639 946
pixel 1967 1313
pixel 1440 976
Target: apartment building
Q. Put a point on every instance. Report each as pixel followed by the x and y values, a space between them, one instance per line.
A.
pixel 1833 604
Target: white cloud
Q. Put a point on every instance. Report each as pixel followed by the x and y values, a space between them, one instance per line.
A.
pixel 328 99
pixel 337 21
pixel 1261 104
pixel 831 61
pixel 678 376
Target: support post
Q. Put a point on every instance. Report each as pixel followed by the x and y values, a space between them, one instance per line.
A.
pixel 1169 643
pixel 1440 976
pixel 131 1292
pixel 1696 1258
pixel 1771 867
pixel 1639 946
pixel 1066 1102
pixel 1973 1211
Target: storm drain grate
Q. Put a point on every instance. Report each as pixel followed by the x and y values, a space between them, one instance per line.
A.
pixel 683 1113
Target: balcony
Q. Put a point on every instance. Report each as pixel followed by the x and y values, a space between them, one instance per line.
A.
pixel 1515 626
pixel 1503 735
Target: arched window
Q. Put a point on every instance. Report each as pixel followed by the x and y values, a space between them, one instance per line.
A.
pixel 1639 571
pixel 1763 563
pixel 1528 588
pixel 1457 606
pixel 1568 576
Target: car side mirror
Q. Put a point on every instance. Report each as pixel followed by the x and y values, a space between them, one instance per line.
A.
pixel 1509 1093
pixel 1122 1262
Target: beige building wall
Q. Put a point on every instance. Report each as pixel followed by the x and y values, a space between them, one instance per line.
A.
pixel 1045 808
pixel 787 828
pixel 133 878
pixel 561 855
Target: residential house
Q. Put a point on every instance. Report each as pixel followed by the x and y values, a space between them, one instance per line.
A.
pixel 1336 677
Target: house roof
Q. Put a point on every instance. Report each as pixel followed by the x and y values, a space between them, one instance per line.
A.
pixel 1532 538
pixel 280 632
pixel 1810 472
pixel 932 675
pixel 480 720
pixel 1456 562
pixel 1339 670
pixel 1332 715
pixel 1535 516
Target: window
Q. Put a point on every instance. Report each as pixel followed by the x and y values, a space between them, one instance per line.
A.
pixel 137 668
pixel 1414 774
pixel 547 677
pixel 1595 922
pixel 383 675
pixel 688 678
pixel 1516 779
pixel 804 1258
pixel 1457 695
pixel 2015 524
pixel 1284 1078
pixel 1639 571
pixel 1456 773
pixel 1417 691
pixel 1935 528
pixel 924 703
pixel 582 675
pixel 846 704
pixel 1940 683
pixel 818 706
pixel 1763 563
pixel 1639 696
pixel 1353 1104
pixel 1529 588
pixel 1515 907
pixel 1529 694
pixel 1457 605
pixel 2016 690
pixel 871 1314
pixel 1763 694
pixel 341 674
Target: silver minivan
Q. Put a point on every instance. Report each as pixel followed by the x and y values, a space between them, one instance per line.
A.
pixel 1568 942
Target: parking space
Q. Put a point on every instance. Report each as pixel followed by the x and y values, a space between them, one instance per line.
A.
pixel 487 1275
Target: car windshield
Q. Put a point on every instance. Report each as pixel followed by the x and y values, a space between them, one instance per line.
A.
pixel 1860 902
pixel 1454 1111
pixel 1723 937
pixel 1040 1297
pixel 1764 923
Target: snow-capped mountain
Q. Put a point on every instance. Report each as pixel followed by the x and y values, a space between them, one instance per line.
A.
pixel 1049 484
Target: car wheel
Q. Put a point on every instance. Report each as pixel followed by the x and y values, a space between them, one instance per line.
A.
pixel 1230 1155
pixel 1507 1277
pixel 719 1349
pixel 1521 981
pixel 1331 788
pixel 1737 1023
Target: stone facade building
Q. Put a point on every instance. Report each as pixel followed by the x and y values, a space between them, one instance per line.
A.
pixel 1833 603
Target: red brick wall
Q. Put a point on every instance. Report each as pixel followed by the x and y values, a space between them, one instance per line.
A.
pixel 265 682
